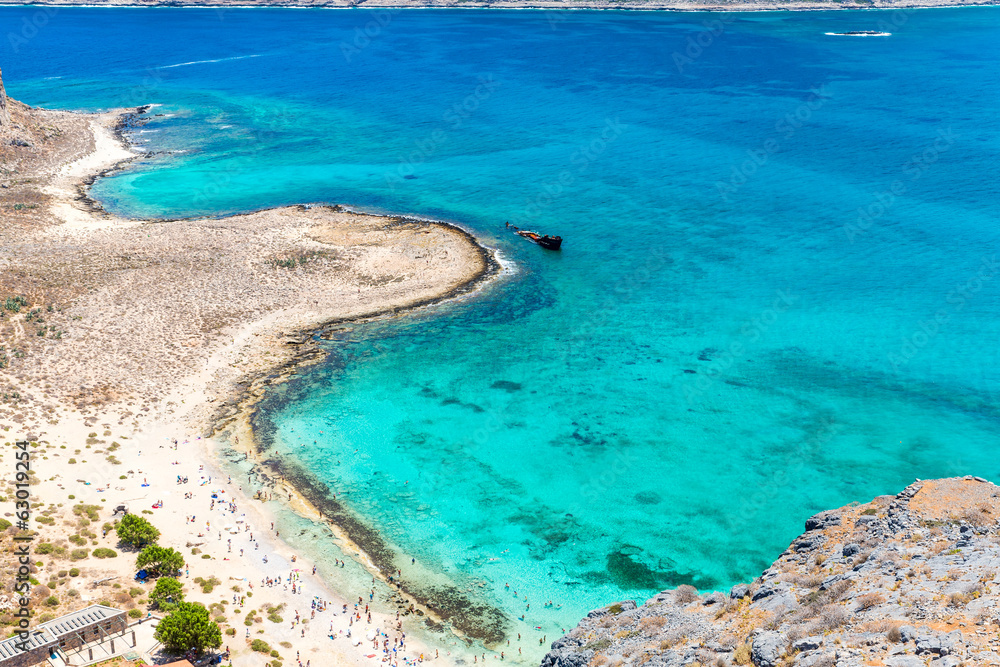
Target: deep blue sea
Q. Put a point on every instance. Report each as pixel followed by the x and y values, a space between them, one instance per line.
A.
pixel 778 293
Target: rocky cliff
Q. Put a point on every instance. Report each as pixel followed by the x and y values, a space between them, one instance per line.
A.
pixel 903 581
pixel 4 114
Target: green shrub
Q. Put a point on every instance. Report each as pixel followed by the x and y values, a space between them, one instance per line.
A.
pixel 260 646
pixel 52 601
pixel 104 552
pixel 231 631
pixel 5 524
pixel 159 560
pixel 77 540
pixel 275 654
pixel 74 572
pixel 44 548
pixel 78 554
pixel 188 627
pixel 136 531
pixel 208 584
pixel 134 613
pixel 167 594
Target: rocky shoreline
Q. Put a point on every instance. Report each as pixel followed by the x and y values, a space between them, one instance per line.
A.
pixel 903 581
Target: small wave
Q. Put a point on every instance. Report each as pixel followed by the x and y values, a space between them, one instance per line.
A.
pixel 860 33
pixel 202 62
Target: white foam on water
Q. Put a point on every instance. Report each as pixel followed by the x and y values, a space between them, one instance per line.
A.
pixel 202 62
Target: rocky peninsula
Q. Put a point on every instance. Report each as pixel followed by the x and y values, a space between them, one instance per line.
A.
pixel 126 344
pixel 911 580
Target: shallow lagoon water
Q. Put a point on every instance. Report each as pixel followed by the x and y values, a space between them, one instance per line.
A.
pixel 778 291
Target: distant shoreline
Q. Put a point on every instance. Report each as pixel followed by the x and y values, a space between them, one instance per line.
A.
pixel 544 5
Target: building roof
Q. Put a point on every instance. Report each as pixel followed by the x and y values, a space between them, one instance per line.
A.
pixel 78 620
pixel 51 632
pixel 12 646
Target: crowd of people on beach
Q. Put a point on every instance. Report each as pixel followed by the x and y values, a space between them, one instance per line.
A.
pixel 388 644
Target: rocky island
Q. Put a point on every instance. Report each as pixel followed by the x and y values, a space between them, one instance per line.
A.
pixel 903 581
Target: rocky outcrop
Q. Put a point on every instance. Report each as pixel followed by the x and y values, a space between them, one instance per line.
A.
pixel 4 113
pixel 905 580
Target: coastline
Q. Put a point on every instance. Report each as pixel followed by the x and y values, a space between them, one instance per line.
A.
pixel 544 5
pixel 256 353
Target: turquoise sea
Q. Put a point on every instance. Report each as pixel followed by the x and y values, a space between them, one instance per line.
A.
pixel 779 289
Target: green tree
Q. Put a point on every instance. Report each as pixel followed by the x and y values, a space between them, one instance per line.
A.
pixel 159 560
pixel 167 587
pixel 136 531
pixel 189 627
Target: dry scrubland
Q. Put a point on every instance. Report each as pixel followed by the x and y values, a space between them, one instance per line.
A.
pixel 911 580
pixel 104 316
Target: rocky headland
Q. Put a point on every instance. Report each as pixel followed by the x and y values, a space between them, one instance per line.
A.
pixel 911 580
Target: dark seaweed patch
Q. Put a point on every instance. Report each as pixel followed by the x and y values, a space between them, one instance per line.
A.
pixel 506 385
pixel 473 619
pixel 648 498
pixel 628 572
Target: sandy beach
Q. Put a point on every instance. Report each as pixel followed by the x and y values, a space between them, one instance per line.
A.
pixel 140 340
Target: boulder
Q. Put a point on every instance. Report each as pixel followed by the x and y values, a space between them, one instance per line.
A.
pixel 624 605
pixel 767 648
pixel 942 645
pixel 823 520
pixel 808 543
pixel 810 659
pixel 904 661
pixel 807 643
pixel 907 633
pixel 739 591
pixel 946 661
pixel 567 658
pixel 714 598
pixel 851 549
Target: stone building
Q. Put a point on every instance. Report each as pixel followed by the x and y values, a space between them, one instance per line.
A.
pixel 66 633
